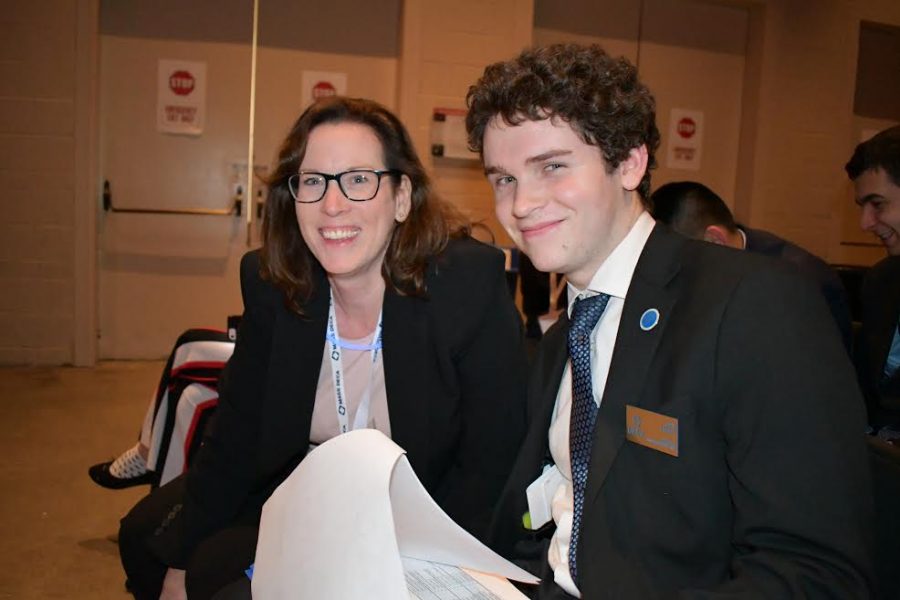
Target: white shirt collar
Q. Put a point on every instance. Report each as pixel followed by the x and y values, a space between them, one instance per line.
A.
pixel 614 275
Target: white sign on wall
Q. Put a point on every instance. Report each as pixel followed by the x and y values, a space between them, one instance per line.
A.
pixel 181 97
pixel 448 134
pixel 685 139
pixel 322 84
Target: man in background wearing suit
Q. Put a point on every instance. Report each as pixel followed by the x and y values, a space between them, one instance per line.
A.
pixel 698 418
pixel 694 210
pixel 874 169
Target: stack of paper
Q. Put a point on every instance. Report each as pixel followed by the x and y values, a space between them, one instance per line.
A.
pixel 353 521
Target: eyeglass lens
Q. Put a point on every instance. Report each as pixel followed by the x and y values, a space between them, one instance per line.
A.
pixel 356 185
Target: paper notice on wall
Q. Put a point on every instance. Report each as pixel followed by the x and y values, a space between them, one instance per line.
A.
pixel 448 134
pixel 181 97
pixel 322 84
pixel 685 138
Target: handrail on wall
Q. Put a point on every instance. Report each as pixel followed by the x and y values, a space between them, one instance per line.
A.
pixel 222 212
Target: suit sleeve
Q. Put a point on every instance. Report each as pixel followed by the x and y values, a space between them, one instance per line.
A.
pixel 793 429
pixel 490 371
pixel 222 475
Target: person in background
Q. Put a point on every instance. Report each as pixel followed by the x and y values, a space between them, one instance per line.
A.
pixel 367 306
pixel 695 211
pixel 695 425
pixel 184 400
pixel 874 169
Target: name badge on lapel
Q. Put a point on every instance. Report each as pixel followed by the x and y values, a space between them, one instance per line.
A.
pixel 652 430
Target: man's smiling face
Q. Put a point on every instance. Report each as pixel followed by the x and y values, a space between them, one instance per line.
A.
pixel 879 200
pixel 556 196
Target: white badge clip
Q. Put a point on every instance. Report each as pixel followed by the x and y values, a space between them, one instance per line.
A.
pixel 540 496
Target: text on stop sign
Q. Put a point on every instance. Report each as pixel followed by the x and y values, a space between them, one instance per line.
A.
pixel 686 127
pixel 181 83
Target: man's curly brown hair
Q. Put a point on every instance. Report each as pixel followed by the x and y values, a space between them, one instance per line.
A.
pixel 600 97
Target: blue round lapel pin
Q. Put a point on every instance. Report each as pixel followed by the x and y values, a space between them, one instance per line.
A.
pixel 649 319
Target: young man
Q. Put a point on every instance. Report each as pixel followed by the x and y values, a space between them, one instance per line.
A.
pixel 700 423
pixel 695 211
pixel 874 169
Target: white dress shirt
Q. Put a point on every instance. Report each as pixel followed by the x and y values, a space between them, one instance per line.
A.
pixel 613 278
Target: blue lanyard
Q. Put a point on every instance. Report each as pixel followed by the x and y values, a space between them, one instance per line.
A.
pixel 361 420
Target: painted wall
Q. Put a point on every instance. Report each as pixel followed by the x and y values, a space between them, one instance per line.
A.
pixel 690 55
pixel 46 174
pixel 157 276
pixel 161 274
pixel 801 129
pixel 445 47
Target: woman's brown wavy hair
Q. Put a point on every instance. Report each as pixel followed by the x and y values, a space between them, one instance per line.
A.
pixel 285 259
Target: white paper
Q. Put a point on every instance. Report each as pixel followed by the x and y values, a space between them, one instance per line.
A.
pixel 327 532
pixel 336 528
pixel 499 586
pixel 540 496
pixel 434 581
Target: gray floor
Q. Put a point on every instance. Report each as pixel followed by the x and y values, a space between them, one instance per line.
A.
pixel 57 528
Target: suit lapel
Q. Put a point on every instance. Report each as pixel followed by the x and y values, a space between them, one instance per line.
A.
pixel 544 388
pixel 295 361
pixel 552 363
pixel 542 391
pixel 634 349
pixel 405 335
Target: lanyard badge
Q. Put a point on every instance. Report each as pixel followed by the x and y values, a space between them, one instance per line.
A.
pixel 336 347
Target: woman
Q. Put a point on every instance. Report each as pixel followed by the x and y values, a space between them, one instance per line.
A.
pixel 367 306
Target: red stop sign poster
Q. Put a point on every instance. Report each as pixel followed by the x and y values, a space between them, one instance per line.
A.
pixel 687 128
pixel 316 85
pixel 181 83
pixel 323 89
pixel 684 139
pixel 180 96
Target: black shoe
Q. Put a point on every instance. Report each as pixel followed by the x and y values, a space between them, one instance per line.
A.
pixel 102 477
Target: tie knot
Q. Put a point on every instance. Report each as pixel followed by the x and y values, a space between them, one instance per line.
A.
pixel 587 311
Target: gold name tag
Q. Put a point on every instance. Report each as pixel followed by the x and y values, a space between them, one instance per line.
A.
pixel 650 429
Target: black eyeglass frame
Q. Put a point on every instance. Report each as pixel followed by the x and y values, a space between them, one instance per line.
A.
pixel 336 177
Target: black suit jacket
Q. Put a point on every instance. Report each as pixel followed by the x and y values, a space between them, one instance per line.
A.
pixel 880 312
pixel 453 367
pixel 826 278
pixel 769 495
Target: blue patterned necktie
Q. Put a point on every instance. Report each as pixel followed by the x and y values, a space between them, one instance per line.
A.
pixel 585 315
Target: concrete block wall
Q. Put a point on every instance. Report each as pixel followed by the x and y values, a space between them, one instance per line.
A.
pixel 682 55
pixel 162 274
pixel 42 53
pixel 802 58
pixel 445 47
pixel 797 130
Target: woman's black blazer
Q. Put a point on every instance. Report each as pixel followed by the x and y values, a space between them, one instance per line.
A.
pixel 454 374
